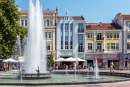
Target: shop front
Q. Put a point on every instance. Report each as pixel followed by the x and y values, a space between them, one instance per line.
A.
pixel 102 59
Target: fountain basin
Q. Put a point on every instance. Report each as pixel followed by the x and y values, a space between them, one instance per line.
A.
pixel 35 76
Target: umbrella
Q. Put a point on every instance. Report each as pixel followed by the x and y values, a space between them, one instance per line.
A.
pixel 60 59
pixel 71 59
pixel 9 60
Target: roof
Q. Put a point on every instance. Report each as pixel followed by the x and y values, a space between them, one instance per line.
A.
pixel 74 17
pixel 104 26
pixel 44 11
pixel 125 16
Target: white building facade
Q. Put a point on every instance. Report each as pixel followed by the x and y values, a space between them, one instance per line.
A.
pixel 70 37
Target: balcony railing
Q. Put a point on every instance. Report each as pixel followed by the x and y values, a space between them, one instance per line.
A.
pixel 100 38
pixel 80 50
pixel 99 50
pixel 80 30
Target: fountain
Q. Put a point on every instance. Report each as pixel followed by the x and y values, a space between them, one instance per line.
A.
pixel 35 50
pixel 96 70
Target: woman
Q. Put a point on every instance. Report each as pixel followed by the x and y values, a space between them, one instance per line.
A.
pixel 4 67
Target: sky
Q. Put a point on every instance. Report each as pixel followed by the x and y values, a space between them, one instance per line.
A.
pixel 94 11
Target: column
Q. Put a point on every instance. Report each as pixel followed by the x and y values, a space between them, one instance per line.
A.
pixel 104 40
pixel 63 36
pixel 69 35
pixel 53 40
pixel 94 41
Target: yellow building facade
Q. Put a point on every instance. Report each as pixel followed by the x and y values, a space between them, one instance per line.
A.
pixel 103 43
pixel 49 26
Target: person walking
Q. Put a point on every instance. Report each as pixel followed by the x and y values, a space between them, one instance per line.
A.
pixel 56 66
pixel 111 66
pixel 4 67
pixel 19 65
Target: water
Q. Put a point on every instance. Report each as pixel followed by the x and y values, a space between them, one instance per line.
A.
pixel 18 43
pixel 96 70
pixel 35 49
pixel 66 69
pixel 58 78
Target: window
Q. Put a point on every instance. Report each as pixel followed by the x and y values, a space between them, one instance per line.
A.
pixel 128 46
pixel 22 22
pixel 62 27
pixel 25 22
pixel 114 35
pixel 66 42
pixel 117 46
pixel 117 35
pixel 110 35
pixel 50 23
pixel 90 35
pixel 99 36
pixel 47 22
pixel 61 44
pixel 112 46
pixel 80 43
pixel 44 23
pixel 80 27
pixel 99 46
pixel 45 34
pixel 66 27
pixel 71 42
pixel 129 26
pixel 89 46
pixel 49 34
pixel 128 35
pixel 48 47
pixel 107 35
pixel 108 46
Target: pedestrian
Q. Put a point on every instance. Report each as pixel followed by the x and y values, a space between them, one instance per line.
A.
pixel 56 65
pixel 93 66
pixel 111 66
pixel 19 65
pixel 4 67
pixel 82 65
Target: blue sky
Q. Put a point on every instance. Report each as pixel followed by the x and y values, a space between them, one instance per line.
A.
pixel 94 11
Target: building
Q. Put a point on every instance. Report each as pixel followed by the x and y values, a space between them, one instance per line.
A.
pixel 49 26
pixel 70 36
pixel 123 20
pixel 103 42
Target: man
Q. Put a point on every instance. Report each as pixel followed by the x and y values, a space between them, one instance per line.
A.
pixel 56 65
pixel 19 65
pixel 111 66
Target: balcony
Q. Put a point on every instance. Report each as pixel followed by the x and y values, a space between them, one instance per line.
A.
pixel 80 30
pixel 80 50
pixel 100 38
pixel 128 40
pixel 99 50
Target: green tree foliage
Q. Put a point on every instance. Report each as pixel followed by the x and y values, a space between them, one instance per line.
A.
pixel 51 61
pixel 9 27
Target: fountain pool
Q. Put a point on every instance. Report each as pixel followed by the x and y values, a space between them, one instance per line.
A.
pixel 59 78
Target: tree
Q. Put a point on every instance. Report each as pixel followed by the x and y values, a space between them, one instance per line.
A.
pixel 9 27
pixel 51 61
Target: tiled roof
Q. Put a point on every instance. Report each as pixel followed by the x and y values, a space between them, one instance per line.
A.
pixel 104 26
pixel 44 11
pixel 74 17
pixel 125 16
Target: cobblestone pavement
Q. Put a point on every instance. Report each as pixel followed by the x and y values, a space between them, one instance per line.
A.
pixel 116 84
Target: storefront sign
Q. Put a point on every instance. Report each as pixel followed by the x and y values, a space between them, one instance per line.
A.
pixel 112 56
pixel 89 56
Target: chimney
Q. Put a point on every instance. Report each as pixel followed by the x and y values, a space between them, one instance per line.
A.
pixel 66 13
pixel 119 14
pixel 19 8
pixel 56 11
pixel 100 23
